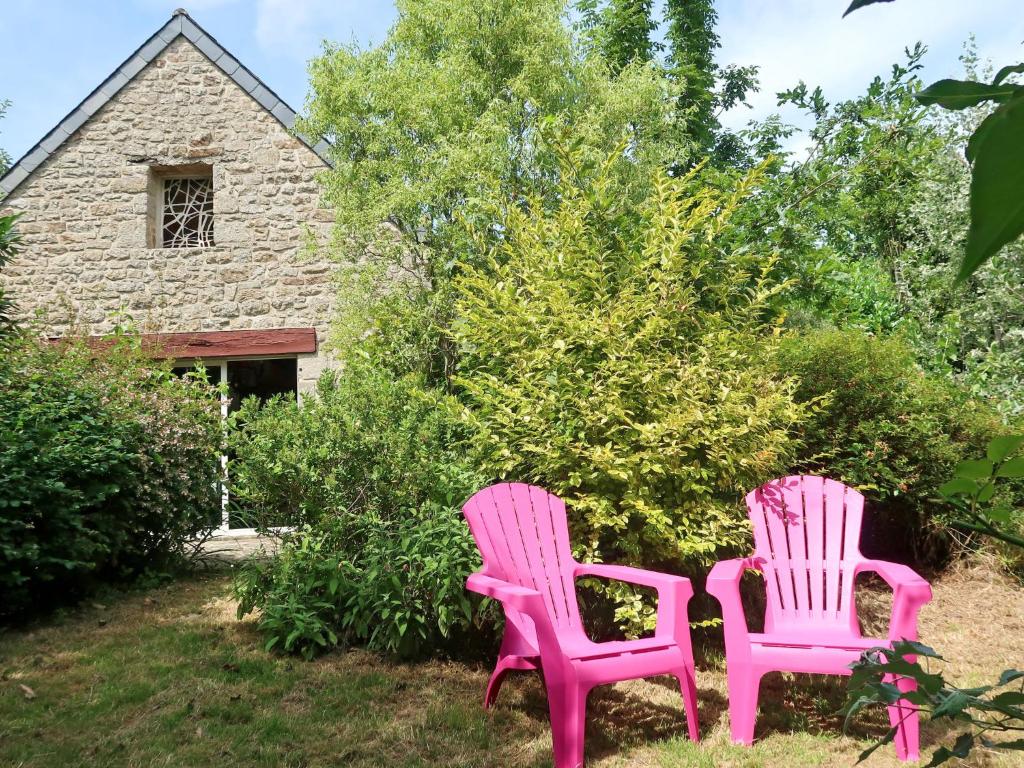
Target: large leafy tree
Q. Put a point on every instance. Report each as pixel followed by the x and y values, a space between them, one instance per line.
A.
pixel 871 223
pixel 622 30
pixel 692 45
pixel 996 154
pixel 625 31
pixel 446 112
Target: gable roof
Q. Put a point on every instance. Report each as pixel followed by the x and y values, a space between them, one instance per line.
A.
pixel 180 25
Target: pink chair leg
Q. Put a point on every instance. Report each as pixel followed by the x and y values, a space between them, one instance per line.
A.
pixel 494 684
pixel 903 716
pixel 567 703
pixel 688 686
pixel 744 685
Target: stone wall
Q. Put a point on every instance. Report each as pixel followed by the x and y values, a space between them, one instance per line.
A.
pixel 86 212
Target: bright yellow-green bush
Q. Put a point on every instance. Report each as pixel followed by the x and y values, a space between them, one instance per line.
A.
pixel 612 353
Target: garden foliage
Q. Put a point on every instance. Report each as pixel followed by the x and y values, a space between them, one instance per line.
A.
pixel 871 225
pixel 108 466
pixel 442 116
pixel 514 304
pixel 613 353
pixel 373 470
pixel 886 428
pixel 364 444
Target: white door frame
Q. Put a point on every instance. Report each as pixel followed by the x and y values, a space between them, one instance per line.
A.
pixel 221 363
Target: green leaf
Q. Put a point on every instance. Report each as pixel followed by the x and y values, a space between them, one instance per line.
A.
pixel 961 94
pixel 952 706
pixel 1001 447
pixel 997 206
pixel 977 138
pixel 987 492
pixel 1009 676
pixel 1015 744
pixel 974 469
pixel 1009 699
pixel 958 486
pixel 961 749
pixel 1012 468
pixel 999 514
pixel 1005 72
pixel 853 7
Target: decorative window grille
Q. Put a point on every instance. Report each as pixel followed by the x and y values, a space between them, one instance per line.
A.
pixel 187 212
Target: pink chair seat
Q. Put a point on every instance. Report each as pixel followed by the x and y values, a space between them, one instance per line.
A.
pixel 523 536
pixel 807 548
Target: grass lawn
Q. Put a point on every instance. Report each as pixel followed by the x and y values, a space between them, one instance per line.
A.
pixel 169 677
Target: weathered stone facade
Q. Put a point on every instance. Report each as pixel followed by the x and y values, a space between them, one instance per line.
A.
pixel 87 215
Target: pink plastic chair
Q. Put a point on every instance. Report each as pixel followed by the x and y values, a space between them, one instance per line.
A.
pixel 521 532
pixel 806 535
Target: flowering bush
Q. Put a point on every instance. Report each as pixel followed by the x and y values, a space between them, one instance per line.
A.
pixel 108 466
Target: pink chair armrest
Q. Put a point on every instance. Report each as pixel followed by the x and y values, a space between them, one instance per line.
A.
pixel 526 601
pixel 674 593
pixel 520 598
pixel 898 576
pixel 724 584
pixel 909 592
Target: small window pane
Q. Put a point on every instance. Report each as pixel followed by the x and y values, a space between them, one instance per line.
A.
pixel 262 379
pixel 187 213
pixel 212 372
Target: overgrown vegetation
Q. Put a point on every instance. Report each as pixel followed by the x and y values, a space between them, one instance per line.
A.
pixel 108 466
pixel 612 354
pixel 885 427
pixel 374 470
pixel 619 300
pixel 994 152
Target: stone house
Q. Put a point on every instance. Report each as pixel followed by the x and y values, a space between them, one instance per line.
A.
pixel 176 193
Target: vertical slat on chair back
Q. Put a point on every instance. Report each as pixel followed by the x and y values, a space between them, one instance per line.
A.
pixel 807 529
pixel 522 533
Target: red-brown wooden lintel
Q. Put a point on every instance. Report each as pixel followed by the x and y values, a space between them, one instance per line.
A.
pixel 261 342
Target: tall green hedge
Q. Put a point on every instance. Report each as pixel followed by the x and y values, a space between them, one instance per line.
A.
pixel 108 464
pixel 886 427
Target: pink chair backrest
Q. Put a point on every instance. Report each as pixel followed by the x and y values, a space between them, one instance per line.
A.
pixel 807 529
pixel 522 533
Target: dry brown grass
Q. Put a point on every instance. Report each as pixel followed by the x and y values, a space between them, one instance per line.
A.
pixel 171 678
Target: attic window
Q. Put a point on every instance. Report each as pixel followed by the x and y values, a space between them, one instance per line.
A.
pixel 182 201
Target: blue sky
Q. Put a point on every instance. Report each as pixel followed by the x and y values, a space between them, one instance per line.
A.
pixel 56 51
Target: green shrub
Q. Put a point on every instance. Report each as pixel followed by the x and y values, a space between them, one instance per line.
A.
pixel 364 444
pixel 402 591
pixel 108 465
pixel 886 428
pixel 612 353
pixel 374 470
